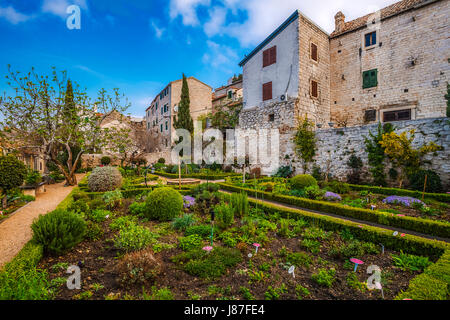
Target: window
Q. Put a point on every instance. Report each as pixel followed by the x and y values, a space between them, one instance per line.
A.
pixel 167 126
pixel 269 56
pixel 267 91
pixel 371 39
pixel 398 115
pixel 230 94
pixel 370 115
pixel 314 89
pixel 314 52
pixel 271 117
pixel 370 78
pixel 161 126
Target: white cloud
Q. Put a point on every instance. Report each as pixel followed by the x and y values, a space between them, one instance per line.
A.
pixel 214 26
pixel 13 16
pixel 187 9
pixel 59 7
pixel 219 56
pixel 159 31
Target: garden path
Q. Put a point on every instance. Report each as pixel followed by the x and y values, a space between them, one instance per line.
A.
pixel 15 231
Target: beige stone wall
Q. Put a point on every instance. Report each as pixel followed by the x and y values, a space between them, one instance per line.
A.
pixel 318 109
pixel 420 35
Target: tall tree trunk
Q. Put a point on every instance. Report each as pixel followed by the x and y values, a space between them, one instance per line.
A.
pixel 4 201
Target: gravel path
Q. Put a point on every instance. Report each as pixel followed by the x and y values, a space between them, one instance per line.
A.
pixel 15 231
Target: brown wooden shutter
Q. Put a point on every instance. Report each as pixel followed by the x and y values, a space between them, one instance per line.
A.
pixel 267 91
pixel 266 58
pixel 314 52
pixel 273 55
pixel 314 89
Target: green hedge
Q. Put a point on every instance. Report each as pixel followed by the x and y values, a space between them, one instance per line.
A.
pixel 200 176
pixel 409 243
pixel 442 197
pixel 426 226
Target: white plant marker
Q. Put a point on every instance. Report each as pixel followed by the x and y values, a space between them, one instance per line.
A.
pixel 250 255
pixel 395 233
pixel 291 271
pixel 379 287
pixel 382 248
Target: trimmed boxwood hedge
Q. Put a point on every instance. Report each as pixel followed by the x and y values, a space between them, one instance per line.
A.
pixel 442 197
pixel 426 226
pixel 200 176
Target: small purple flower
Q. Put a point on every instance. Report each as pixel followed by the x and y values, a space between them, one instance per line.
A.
pixel 331 196
pixel 188 201
pixel 406 201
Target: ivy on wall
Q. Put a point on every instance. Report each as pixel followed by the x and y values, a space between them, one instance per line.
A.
pixel 305 141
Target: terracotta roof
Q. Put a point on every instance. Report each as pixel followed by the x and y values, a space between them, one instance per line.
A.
pixel 387 12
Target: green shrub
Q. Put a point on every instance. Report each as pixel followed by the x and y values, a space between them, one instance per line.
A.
pixel 163 204
pixel 96 203
pixel 324 277
pixel 80 195
pixel 354 283
pixel 228 239
pixel 302 181
pixel 299 259
pixel 246 293
pixel 338 187
pixel 239 201
pixel 93 231
pixel 122 222
pixel 224 214
pixel 112 198
pixel 199 189
pixel 284 172
pixel 275 293
pixel 80 206
pixel 183 223
pixel 410 262
pixel 134 237
pixel 312 245
pixel 33 178
pixel 12 173
pixel 301 292
pixel 105 160
pixel 138 209
pixel 161 160
pixel 313 192
pixel 138 267
pixel 99 215
pixel 202 230
pixel 58 231
pixel 208 265
pixel 417 181
pixel 104 179
pixel 190 242
pixel 158 294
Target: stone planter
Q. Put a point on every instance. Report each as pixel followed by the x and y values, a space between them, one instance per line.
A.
pixel 33 190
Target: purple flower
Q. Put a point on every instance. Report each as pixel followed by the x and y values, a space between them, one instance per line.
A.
pixel 331 196
pixel 188 201
pixel 406 201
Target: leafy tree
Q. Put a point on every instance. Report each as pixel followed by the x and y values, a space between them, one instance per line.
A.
pixel 305 142
pixel 57 115
pixel 400 151
pixel 12 174
pixel 184 119
pixel 376 155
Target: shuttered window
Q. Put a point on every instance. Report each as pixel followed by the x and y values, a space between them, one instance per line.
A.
pixel 314 89
pixel 269 56
pixel 371 39
pixel 370 78
pixel 398 115
pixel 267 91
pixel 314 53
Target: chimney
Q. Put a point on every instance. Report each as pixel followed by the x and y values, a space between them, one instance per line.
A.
pixel 339 20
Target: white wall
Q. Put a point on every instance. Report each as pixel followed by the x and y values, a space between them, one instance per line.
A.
pixel 279 73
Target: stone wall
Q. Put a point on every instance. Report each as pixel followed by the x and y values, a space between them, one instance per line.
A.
pixel 412 59
pixel 335 146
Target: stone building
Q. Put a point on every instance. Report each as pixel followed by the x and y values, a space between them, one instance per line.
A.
pixel 231 93
pixel 392 65
pixel 160 115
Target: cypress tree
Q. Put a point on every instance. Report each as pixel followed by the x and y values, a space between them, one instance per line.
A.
pixel 184 119
pixel 69 104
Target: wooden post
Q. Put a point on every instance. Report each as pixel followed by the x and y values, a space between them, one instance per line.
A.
pixel 424 187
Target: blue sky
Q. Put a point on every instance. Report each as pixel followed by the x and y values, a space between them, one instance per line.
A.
pixel 141 45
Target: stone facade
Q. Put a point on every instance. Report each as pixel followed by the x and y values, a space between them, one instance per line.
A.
pixel 411 56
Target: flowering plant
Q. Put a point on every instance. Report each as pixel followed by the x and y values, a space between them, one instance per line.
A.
pixel 188 201
pixel 331 196
pixel 406 201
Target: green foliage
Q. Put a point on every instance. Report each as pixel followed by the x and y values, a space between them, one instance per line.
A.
pixel 312 245
pixel 58 231
pixel 305 141
pixel 94 231
pixel 99 215
pixel 299 259
pixel 324 277
pixel 275 293
pixel 203 231
pixel 199 189
pixel 12 173
pixel 417 181
pixel 239 202
pixel 80 206
pixel 134 237
pixel 246 293
pixel 163 204
pixel 137 209
pixel 302 181
pixel 184 119
pixel 183 223
pixel 112 198
pixel 190 242
pixel 355 163
pixel 105 160
pixel 354 283
pixel 301 292
pixel 228 239
pixel 208 265
pixel 104 179
pixel 138 267
pixel 338 187
pixel 376 155
pixel 158 294
pixel 284 172
pixel 224 214
pixel 122 223
pixel 313 192
pixel 410 262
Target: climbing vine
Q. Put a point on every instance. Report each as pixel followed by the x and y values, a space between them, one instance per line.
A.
pixel 305 141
